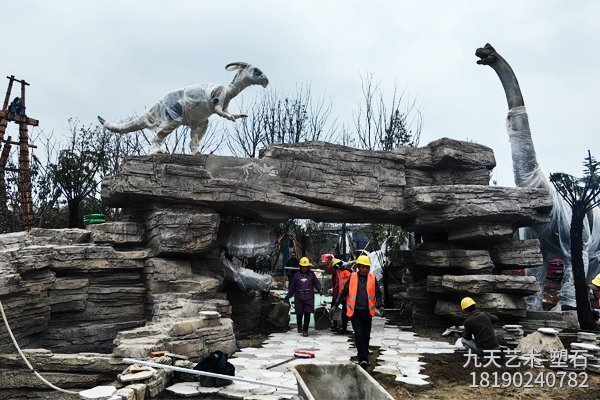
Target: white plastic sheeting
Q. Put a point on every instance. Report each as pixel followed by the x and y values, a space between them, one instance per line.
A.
pixel 554 237
pixel 245 278
pixel 251 240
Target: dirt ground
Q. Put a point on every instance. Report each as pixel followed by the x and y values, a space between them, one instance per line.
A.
pixel 450 380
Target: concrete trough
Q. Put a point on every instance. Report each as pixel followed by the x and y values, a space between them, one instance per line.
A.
pixel 337 381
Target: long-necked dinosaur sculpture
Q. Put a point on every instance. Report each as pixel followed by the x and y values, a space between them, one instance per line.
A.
pixel 554 237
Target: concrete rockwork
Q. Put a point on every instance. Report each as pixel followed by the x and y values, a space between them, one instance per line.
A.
pixel 128 288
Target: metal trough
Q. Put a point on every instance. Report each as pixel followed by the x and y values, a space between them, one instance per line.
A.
pixel 337 381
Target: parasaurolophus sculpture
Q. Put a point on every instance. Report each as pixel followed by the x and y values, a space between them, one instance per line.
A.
pixel 192 106
pixel 555 236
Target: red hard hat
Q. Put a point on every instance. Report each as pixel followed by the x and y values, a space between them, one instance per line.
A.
pixel 326 258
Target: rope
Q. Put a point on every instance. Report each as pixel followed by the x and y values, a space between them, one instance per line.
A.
pixel 25 359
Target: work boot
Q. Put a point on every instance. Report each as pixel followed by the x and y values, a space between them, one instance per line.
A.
pixel 364 364
pixel 299 329
pixel 305 333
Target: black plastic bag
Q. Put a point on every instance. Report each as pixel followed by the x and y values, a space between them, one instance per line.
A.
pixel 216 363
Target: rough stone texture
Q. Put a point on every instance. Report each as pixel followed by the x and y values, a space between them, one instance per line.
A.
pixel 444 208
pixel 481 234
pixel 59 236
pixel 502 305
pixel 176 290
pixel 517 254
pixel 181 231
pixel 120 233
pixel 310 180
pixel 449 162
pixel 434 284
pixel 470 261
pixel 476 284
pixel 45 360
pixel 539 343
pixel 193 343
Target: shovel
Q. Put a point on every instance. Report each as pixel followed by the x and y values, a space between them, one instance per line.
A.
pixel 297 354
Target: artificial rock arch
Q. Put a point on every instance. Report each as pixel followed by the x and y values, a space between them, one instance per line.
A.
pixel 126 288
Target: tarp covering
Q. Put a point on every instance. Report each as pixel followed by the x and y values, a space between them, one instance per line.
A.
pixel 251 240
pixel 245 278
pixel 555 240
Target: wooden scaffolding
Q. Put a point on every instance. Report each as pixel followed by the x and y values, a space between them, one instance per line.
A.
pixel 15 112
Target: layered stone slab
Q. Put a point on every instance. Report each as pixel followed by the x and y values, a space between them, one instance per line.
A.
pixel 120 233
pixel 481 234
pixel 503 305
pixel 311 180
pixel 447 162
pixel 477 284
pixel 181 231
pixel 445 208
pixel 467 261
pixel 517 254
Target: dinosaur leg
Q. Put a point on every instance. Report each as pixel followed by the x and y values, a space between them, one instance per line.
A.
pixel 196 135
pixel 162 132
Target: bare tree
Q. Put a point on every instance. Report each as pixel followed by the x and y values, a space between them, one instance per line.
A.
pixel 276 118
pixel 386 124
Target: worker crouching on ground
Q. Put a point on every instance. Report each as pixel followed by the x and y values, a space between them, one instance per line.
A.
pixel 341 275
pixel 479 333
pixel 363 298
pixel 302 288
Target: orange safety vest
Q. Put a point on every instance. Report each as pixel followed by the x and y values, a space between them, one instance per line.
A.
pixel 353 288
pixel 342 277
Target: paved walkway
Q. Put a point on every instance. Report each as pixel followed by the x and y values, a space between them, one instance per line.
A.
pixel 399 355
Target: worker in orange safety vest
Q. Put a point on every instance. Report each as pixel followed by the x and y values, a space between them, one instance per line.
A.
pixel 341 274
pixel 363 298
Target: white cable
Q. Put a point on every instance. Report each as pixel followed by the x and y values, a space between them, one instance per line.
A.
pixel 25 359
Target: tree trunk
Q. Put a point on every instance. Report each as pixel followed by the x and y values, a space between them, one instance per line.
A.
pixel 584 309
pixel 73 213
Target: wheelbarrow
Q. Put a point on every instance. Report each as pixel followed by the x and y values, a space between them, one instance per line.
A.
pixel 337 381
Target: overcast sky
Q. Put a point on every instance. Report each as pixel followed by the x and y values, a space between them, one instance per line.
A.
pixel 116 58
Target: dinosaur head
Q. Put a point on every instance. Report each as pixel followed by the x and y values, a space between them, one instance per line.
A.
pixel 487 55
pixel 247 74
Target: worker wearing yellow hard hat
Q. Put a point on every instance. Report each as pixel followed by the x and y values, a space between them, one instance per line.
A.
pixel 303 287
pixel 595 288
pixel 362 299
pixel 479 333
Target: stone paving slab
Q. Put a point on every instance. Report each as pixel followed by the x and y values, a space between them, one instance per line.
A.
pixel 400 352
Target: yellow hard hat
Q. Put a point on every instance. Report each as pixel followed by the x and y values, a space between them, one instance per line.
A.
pixel 336 261
pixel 304 262
pixel 596 280
pixel 363 260
pixel 466 303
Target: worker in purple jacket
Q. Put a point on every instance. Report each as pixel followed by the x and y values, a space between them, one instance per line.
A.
pixel 302 288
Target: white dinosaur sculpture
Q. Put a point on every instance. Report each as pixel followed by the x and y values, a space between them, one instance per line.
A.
pixel 191 106
pixel 555 241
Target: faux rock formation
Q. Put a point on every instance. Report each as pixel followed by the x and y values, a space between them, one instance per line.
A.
pixel 129 288
pixel 502 305
pixel 467 260
pixel 310 180
pixel 539 343
pixel 477 284
pixel 517 254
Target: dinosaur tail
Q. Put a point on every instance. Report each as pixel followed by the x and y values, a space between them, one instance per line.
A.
pixel 135 124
